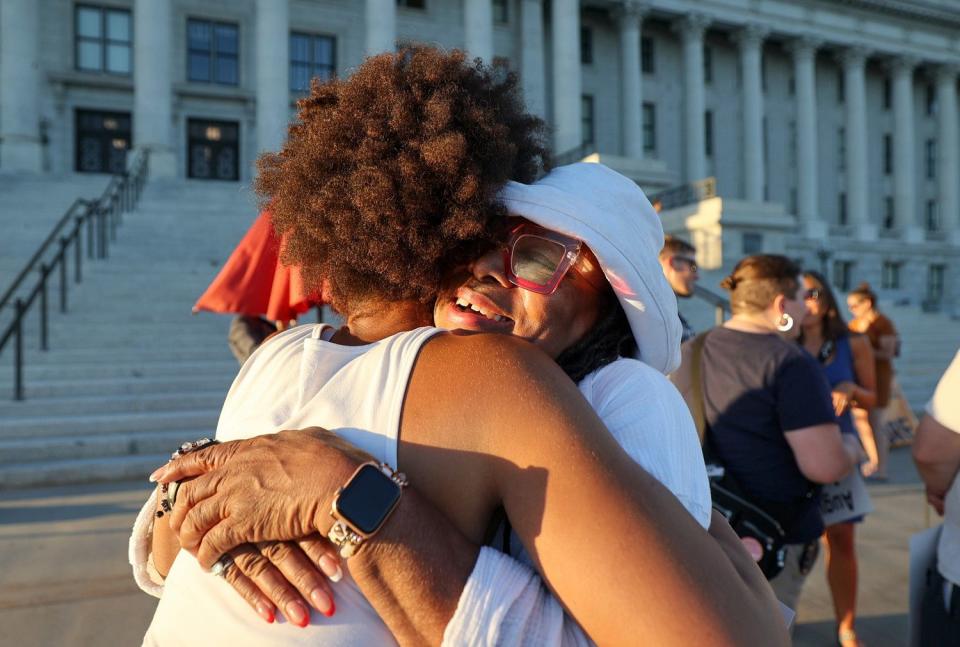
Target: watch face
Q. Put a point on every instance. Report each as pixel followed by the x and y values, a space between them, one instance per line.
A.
pixel 368 498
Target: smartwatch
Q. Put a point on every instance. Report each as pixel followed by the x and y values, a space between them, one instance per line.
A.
pixel 363 505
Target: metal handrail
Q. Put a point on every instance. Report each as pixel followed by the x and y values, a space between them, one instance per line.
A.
pixel 721 304
pixel 684 194
pixel 100 218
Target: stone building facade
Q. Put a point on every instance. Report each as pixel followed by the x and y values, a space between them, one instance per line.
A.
pixel 830 126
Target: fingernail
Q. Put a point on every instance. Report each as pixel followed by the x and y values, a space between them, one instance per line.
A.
pixel 331 568
pixel 322 602
pixel 265 612
pixel 157 473
pixel 333 609
pixel 297 614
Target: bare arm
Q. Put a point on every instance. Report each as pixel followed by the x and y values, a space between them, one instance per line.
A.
pixel 820 452
pixel 864 392
pixel 936 451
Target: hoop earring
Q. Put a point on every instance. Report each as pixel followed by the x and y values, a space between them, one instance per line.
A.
pixel 786 323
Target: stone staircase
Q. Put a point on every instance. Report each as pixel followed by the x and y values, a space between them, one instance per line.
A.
pixel 929 341
pixel 130 373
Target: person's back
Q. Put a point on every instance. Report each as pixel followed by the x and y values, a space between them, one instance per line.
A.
pixel 747 382
pixel 292 381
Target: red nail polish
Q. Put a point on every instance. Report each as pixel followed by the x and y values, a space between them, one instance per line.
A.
pixel 333 609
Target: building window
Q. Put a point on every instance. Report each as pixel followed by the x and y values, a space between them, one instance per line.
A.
pixel 763 71
pixel 212 52
pixel 841 149
pixel 931 100
pixel 935 282
pixel 646 55
pixel 932 216
pixel 887 154
pixel 842 208
pixel 586 45
pixel 890 276
pixel 587 119
pixel 843 274
pixel 311 56
pixel 500 11
pixel 887 93
pixel 792 144
pixel 931 160
pixel 793 200
pixel 649 127
pixel 888 218
pixel 102 40
pixel 752 243
pixel 412 4
pixel 841 88
pixel 708 133
pixel 792 85
pixel 707 64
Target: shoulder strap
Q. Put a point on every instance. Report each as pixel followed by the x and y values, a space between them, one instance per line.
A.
pixel 696 383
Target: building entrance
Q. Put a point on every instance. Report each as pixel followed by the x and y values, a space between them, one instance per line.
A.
pixel 213 149
pixel 103 139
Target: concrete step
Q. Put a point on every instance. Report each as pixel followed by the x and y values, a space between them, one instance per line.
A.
pixel 89 425
pixel 86 470
pixel 131 369
pixel 143 351
pixel 21 451
pixel 127 386
pixel 104 404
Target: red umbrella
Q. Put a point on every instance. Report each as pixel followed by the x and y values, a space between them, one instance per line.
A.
pixel 254 282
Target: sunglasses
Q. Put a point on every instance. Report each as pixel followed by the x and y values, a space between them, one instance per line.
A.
pixel 812 294
pixel 692 264
pixel 538 259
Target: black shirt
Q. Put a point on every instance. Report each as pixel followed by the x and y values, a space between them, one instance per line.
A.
pixel 755 388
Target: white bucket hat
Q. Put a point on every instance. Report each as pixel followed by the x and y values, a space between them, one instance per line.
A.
pixel 611 214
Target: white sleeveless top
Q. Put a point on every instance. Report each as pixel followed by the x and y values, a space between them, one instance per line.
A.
pixel 296 380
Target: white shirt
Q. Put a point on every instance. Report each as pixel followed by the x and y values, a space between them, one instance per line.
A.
pixel 641 408
pixel 944 407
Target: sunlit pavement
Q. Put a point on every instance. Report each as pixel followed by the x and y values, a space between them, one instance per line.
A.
pixel 64 578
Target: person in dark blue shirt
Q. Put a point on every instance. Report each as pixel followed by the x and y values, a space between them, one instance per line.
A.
pixel 768 410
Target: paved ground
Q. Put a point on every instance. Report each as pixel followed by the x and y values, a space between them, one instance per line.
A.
pixel 64 578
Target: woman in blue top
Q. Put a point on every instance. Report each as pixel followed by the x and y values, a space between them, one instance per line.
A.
pixel 847 361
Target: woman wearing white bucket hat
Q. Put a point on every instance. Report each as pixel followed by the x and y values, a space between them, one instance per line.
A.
pixel 648 306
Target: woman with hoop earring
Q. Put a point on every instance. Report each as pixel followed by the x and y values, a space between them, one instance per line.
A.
pixel 769 417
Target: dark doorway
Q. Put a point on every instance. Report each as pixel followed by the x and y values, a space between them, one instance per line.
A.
pixel 103 139
pixel 213 149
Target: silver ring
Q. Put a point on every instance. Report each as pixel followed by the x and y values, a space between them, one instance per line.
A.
pixel 172 488
pixel 222 565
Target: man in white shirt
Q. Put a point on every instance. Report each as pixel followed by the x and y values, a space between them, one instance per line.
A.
pixel 936 451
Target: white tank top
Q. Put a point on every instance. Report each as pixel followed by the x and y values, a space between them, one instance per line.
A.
pixel 296 380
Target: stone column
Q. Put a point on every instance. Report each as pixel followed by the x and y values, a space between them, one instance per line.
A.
pixel 273 73
pixel 478 26
pixel 20 148
pixel 904 165
pixel 533 72
pixel 630 16
pixel 854 63
pixel 750 40
pixel 948 163
pixel 381 23
pixel 567 82
pixel 691 29
pixel 153 85
pixel 804 52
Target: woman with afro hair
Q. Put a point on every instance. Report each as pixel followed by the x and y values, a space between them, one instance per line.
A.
pixel 387 182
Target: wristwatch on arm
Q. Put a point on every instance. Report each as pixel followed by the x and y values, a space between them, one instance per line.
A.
pixel 363 505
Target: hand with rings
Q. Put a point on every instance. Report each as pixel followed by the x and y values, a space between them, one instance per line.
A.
pixel 239 502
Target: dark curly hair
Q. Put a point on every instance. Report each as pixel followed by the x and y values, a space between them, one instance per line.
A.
pixel 388 178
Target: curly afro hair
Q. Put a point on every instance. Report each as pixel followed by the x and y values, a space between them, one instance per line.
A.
pixel 388 178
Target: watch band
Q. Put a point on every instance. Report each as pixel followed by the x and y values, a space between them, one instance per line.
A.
pixel 346 537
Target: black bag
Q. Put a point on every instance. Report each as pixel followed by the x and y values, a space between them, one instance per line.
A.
pixel 748 520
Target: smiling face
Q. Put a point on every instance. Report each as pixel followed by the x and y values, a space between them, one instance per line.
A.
pixel 482 298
